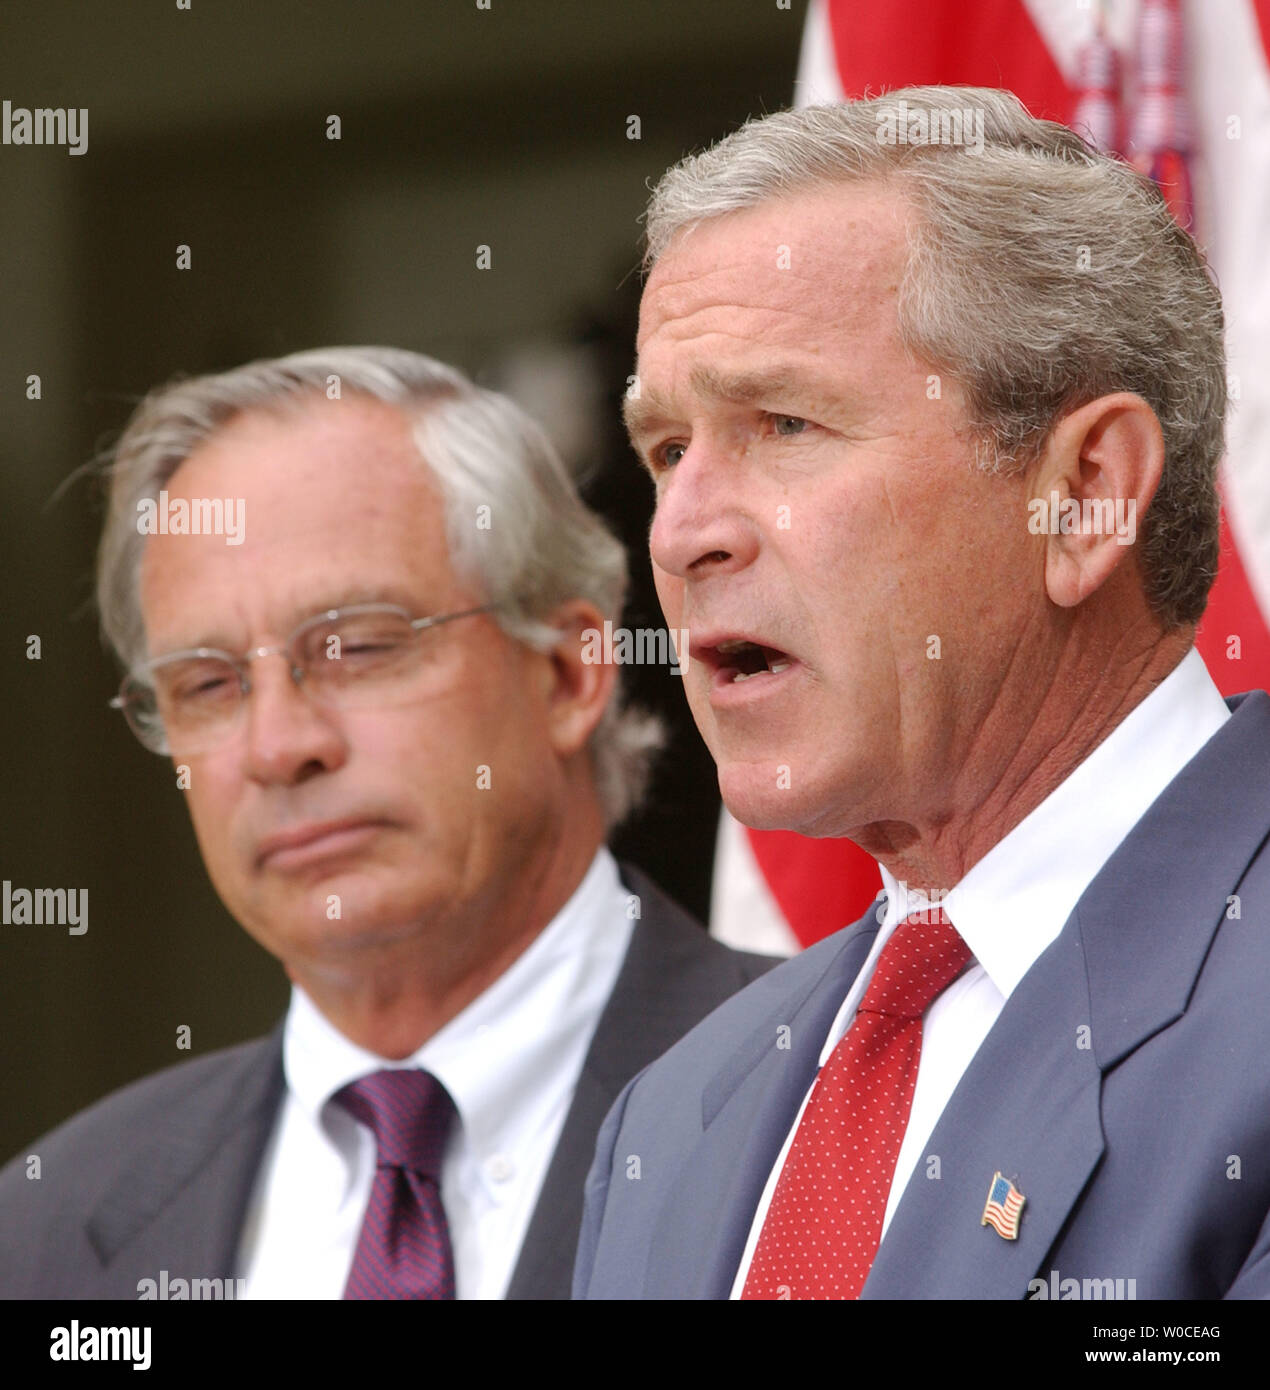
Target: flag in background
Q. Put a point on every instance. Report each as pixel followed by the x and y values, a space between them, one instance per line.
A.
pixel 1203 130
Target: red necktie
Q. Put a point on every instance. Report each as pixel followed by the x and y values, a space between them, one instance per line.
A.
pixel 824 1223
pixel 404 1247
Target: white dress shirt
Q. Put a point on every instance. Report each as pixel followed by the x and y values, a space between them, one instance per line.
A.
pixel 1013 903
pixel 510 1062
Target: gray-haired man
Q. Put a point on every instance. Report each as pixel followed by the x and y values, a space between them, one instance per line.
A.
pixel 401 771
pixel 898 398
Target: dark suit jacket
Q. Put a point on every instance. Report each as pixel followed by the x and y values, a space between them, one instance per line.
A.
pixel 158 1176
pixel 1125 1088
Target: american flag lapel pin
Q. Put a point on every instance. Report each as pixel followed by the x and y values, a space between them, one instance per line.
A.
pixel 1004 1208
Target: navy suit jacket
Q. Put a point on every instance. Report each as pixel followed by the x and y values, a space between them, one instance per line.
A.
pixel 1125 1088
pixel 158 1176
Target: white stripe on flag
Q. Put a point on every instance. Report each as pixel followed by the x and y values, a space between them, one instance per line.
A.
pixel 817 82
pixel 743 912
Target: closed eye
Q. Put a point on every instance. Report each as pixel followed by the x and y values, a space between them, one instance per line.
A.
pixel 201 684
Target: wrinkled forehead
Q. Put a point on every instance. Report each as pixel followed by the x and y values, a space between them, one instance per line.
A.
pixel 835 245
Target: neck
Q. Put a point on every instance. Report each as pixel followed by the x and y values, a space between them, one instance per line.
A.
pixel 1022 750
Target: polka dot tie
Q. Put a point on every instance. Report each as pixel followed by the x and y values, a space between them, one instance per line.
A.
pixel 824 1223
pixel 404 1247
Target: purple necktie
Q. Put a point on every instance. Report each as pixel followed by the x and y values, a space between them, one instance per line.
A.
pixel 404 1247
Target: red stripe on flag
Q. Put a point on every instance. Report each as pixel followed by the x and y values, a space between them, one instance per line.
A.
pixel 1233 611
pixel 902 43
pixel 1261 8
pixel 819 885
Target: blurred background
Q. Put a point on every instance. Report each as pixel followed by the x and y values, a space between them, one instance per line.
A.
pixel 208 127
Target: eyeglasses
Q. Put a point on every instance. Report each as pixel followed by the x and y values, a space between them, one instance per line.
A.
pixel 188 702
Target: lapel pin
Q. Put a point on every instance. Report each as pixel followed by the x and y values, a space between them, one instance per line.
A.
pixel 1003 1208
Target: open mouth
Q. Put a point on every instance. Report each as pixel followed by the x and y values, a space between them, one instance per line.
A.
pixel 739 660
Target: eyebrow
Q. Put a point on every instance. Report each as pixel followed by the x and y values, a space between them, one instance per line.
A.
pixel 645 413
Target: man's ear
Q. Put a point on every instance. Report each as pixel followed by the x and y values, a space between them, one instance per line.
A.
pixel 1095 478
pixel 580 682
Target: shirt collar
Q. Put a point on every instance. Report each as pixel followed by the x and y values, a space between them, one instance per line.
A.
pixel 1013 903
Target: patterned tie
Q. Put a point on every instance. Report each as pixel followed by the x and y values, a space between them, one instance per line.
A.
pixel 404 1248
pixel 824 1223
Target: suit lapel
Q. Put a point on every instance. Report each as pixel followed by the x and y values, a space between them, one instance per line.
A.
pixel 182 1206
pixel 673 975
pixel 1122 969
pixel 747 1110
pixel 545 1263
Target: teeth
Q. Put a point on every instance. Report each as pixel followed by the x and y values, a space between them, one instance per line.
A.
pixel 733 645
pixel 749 675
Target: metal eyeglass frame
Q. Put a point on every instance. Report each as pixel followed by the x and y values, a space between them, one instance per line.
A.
pixel 241 664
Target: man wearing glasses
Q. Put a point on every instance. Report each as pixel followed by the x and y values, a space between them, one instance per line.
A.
pixel 401 771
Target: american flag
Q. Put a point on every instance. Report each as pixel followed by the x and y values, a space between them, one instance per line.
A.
pixel 1003 1208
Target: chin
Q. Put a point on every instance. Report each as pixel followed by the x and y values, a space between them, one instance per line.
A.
pixel 817 809
pixel 754 799
pixel 350 946
pixel 336 916
pixel 346 940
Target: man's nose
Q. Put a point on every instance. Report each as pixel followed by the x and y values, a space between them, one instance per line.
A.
pixel 702 524
pixel 290 735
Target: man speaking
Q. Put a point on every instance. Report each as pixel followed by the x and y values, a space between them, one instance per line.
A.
pixel 932 395
pixel 401 770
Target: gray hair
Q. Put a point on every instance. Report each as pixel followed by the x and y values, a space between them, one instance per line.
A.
pixel 1040 275
pixel 482 449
